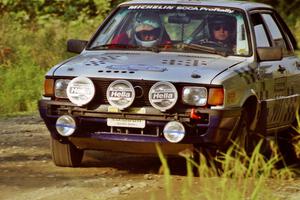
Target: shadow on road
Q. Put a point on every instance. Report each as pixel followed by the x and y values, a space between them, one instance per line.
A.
pixel 134 164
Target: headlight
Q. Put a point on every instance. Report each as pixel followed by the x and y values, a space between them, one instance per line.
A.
pixel 120 94
pixel 163 96
pixel 196 96
pixel 61 88
pixel 81 90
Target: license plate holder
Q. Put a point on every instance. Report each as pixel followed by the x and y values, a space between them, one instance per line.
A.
pixel 127 123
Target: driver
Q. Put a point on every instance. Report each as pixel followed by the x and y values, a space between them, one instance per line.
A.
pixel 222 31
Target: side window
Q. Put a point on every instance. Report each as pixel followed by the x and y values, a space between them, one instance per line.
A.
pixel 277 37
pixel 261 36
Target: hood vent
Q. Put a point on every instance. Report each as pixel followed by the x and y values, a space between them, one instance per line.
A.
pixel 116 71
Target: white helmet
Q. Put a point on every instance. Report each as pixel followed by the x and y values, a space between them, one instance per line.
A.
pixel 148 30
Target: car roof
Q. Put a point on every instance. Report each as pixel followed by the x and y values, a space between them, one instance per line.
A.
pixel 223 3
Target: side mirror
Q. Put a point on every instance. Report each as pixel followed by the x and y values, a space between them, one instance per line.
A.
pixel 76 46
pixel 269 53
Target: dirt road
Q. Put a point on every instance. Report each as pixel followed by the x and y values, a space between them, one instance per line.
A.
pixel 27 172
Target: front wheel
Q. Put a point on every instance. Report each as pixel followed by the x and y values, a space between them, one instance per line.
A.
pixel 247 140
pixel 289 141
pixel 285 141
pixel 65 154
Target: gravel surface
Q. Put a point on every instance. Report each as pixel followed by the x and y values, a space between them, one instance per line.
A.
pixel 27 172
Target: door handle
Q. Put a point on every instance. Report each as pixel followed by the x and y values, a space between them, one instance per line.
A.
pixel 281 69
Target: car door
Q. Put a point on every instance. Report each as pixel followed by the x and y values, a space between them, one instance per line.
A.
pixel 275 86
pixel 286 77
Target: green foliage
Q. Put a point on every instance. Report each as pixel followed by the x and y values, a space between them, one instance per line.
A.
pixel 114 3
pixel 20 87
pixel 237 176
pixel 30 45
pixel 287 8
pixel 28 11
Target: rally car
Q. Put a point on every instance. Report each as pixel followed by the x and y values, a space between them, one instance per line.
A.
pixel 178 74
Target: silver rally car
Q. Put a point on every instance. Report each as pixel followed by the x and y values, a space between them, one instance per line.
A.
pixel 180 74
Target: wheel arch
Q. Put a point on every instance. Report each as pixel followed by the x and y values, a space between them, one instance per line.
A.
pixel 251 106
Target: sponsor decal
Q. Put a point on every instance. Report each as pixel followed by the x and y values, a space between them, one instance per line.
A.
pixel 154 7
pixel 163 96
pixel 120 94
pixel 80 90
pixel 180 7
pixel 77 89
pixel 231 97
pixel 137 68
pixel 280 87
pixel 249 74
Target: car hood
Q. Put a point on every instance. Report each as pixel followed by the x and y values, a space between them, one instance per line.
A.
pixel 190 68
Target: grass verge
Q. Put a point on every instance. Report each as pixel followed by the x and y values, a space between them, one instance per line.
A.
pixel 236 177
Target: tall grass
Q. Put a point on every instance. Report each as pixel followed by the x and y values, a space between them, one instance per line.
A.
pixel 296 139
pixel 237 176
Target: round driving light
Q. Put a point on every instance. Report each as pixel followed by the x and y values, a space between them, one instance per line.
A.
pixel 174 131
pixel 120 94
pixel 81 90
pixel 65 125
pixel 163 96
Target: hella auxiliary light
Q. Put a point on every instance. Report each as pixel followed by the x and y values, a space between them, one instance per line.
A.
pixel 81 90
pixel 60 88
pixel 120 94
pixel 196 96
pixel 65 125
pixel 174 131
pixel 163 96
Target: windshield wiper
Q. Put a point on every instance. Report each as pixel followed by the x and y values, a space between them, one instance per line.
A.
pixel 155 49
pixel 204 48
pixel 113 46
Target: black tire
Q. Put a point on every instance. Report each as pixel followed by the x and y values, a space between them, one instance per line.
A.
pixel 247 140
pixel 286 141
pixel 65 154
pixel 287 149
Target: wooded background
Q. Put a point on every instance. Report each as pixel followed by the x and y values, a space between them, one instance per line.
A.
pixel 74 9
pixel 34 34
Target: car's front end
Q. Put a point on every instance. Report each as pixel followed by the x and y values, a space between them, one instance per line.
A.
pixel 120 94
pixel 112 104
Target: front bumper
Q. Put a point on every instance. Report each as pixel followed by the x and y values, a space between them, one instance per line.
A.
pixel 213 129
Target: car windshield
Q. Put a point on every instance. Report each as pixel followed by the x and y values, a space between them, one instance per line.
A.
pixel 215 30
